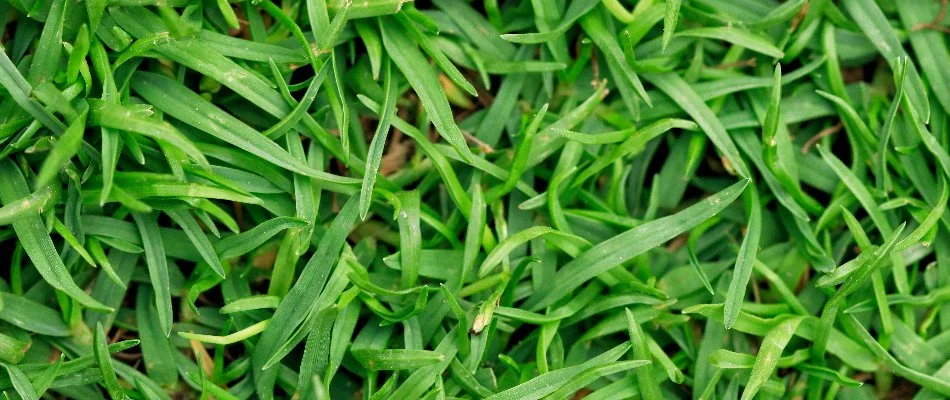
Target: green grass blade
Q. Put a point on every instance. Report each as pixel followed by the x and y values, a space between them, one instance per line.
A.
pixel 543 385
pixel 32 235
pixel 374 158
pixel 873 23
pixel 122 118
pixel 410 238
pixel 157 267
pixel 198 239
pixel 575 10
pixel 190 108
pixel 104 360
pixel 610 253
pixel 670 21
pixel 689 101
pixel 649 389
pixel 244 242
pixel 35 203
pixel 595 26
pixel 745 259
pixel 773 344
pixel 48 54
pixel 635 144
pixel 21 384
pixel 19 89
pixel 295 306
pixel 929 46
pixel 414 67
pixel 235 337
pixel 31 316
pixel 59 155
pixel 932 383
pixel 396 359
pixel 738 37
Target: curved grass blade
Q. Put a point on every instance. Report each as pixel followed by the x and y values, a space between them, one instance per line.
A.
pixel 374 158
pixel 828 375
pixel 423 80
pixel 887 129
pixel 20 90
pixel 935 384
pixel 545 384
pixel 31 316
pixel 850 352
pixel 621 248
pixel 634 145
pixel 71 240
pixel 299 300
pixel 245 242
pixel 228 339
pixel 572 307
pixel 929 47
pixel 36 203
pixel 198 239
pixel 928 223
pixel 726 359
pixel 738 37
pixel 854 282
pixel 930 141
pixel 575 10
pixel 597 138
pixel 300 108
pixel 684 95
pixel 21 384
pixel 594 373
pixel 858 188
pixel 571 243
pixel 840 274
pixel 141 46
pixel 251 303
pixel 595 26
pixel 519 159
pixel 31 232
pixel 773 344
pixel 122 118
pixel 873 23
pixel 442 165
pixel 95 249
pixel 438 56
pixel 862 129
pixel 65 148
pixel 187 106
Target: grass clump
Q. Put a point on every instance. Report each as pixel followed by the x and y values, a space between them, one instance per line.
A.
pixel 507 200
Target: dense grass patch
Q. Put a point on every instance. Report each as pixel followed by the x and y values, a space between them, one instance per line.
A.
pixel 501 199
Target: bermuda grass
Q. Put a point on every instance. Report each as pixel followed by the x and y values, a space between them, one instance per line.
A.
pixel 485 199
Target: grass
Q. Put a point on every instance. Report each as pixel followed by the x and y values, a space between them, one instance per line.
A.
pixel 508 200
